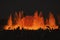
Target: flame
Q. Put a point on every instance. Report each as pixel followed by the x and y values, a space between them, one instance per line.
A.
pixel 31 22
pixel 52 22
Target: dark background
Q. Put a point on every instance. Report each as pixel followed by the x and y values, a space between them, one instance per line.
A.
pixel 8 7
pixel 28 6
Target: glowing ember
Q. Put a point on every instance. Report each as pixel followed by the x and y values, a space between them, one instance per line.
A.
pixel 31 22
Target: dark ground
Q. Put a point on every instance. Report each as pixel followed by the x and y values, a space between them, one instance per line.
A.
pixel 30 35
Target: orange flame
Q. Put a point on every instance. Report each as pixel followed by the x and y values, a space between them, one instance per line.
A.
pixel 31 22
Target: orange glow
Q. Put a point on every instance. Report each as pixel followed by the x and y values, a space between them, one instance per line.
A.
pixel 31 22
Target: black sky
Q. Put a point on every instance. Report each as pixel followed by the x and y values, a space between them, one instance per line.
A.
pixel 28 6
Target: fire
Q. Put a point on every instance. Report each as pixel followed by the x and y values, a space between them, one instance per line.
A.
pixel 52 22
pixel 31 22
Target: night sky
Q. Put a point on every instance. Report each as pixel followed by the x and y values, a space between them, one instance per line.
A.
pixel 28 6
pixel 8 7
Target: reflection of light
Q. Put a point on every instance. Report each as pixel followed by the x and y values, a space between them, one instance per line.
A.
pixel 31 22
